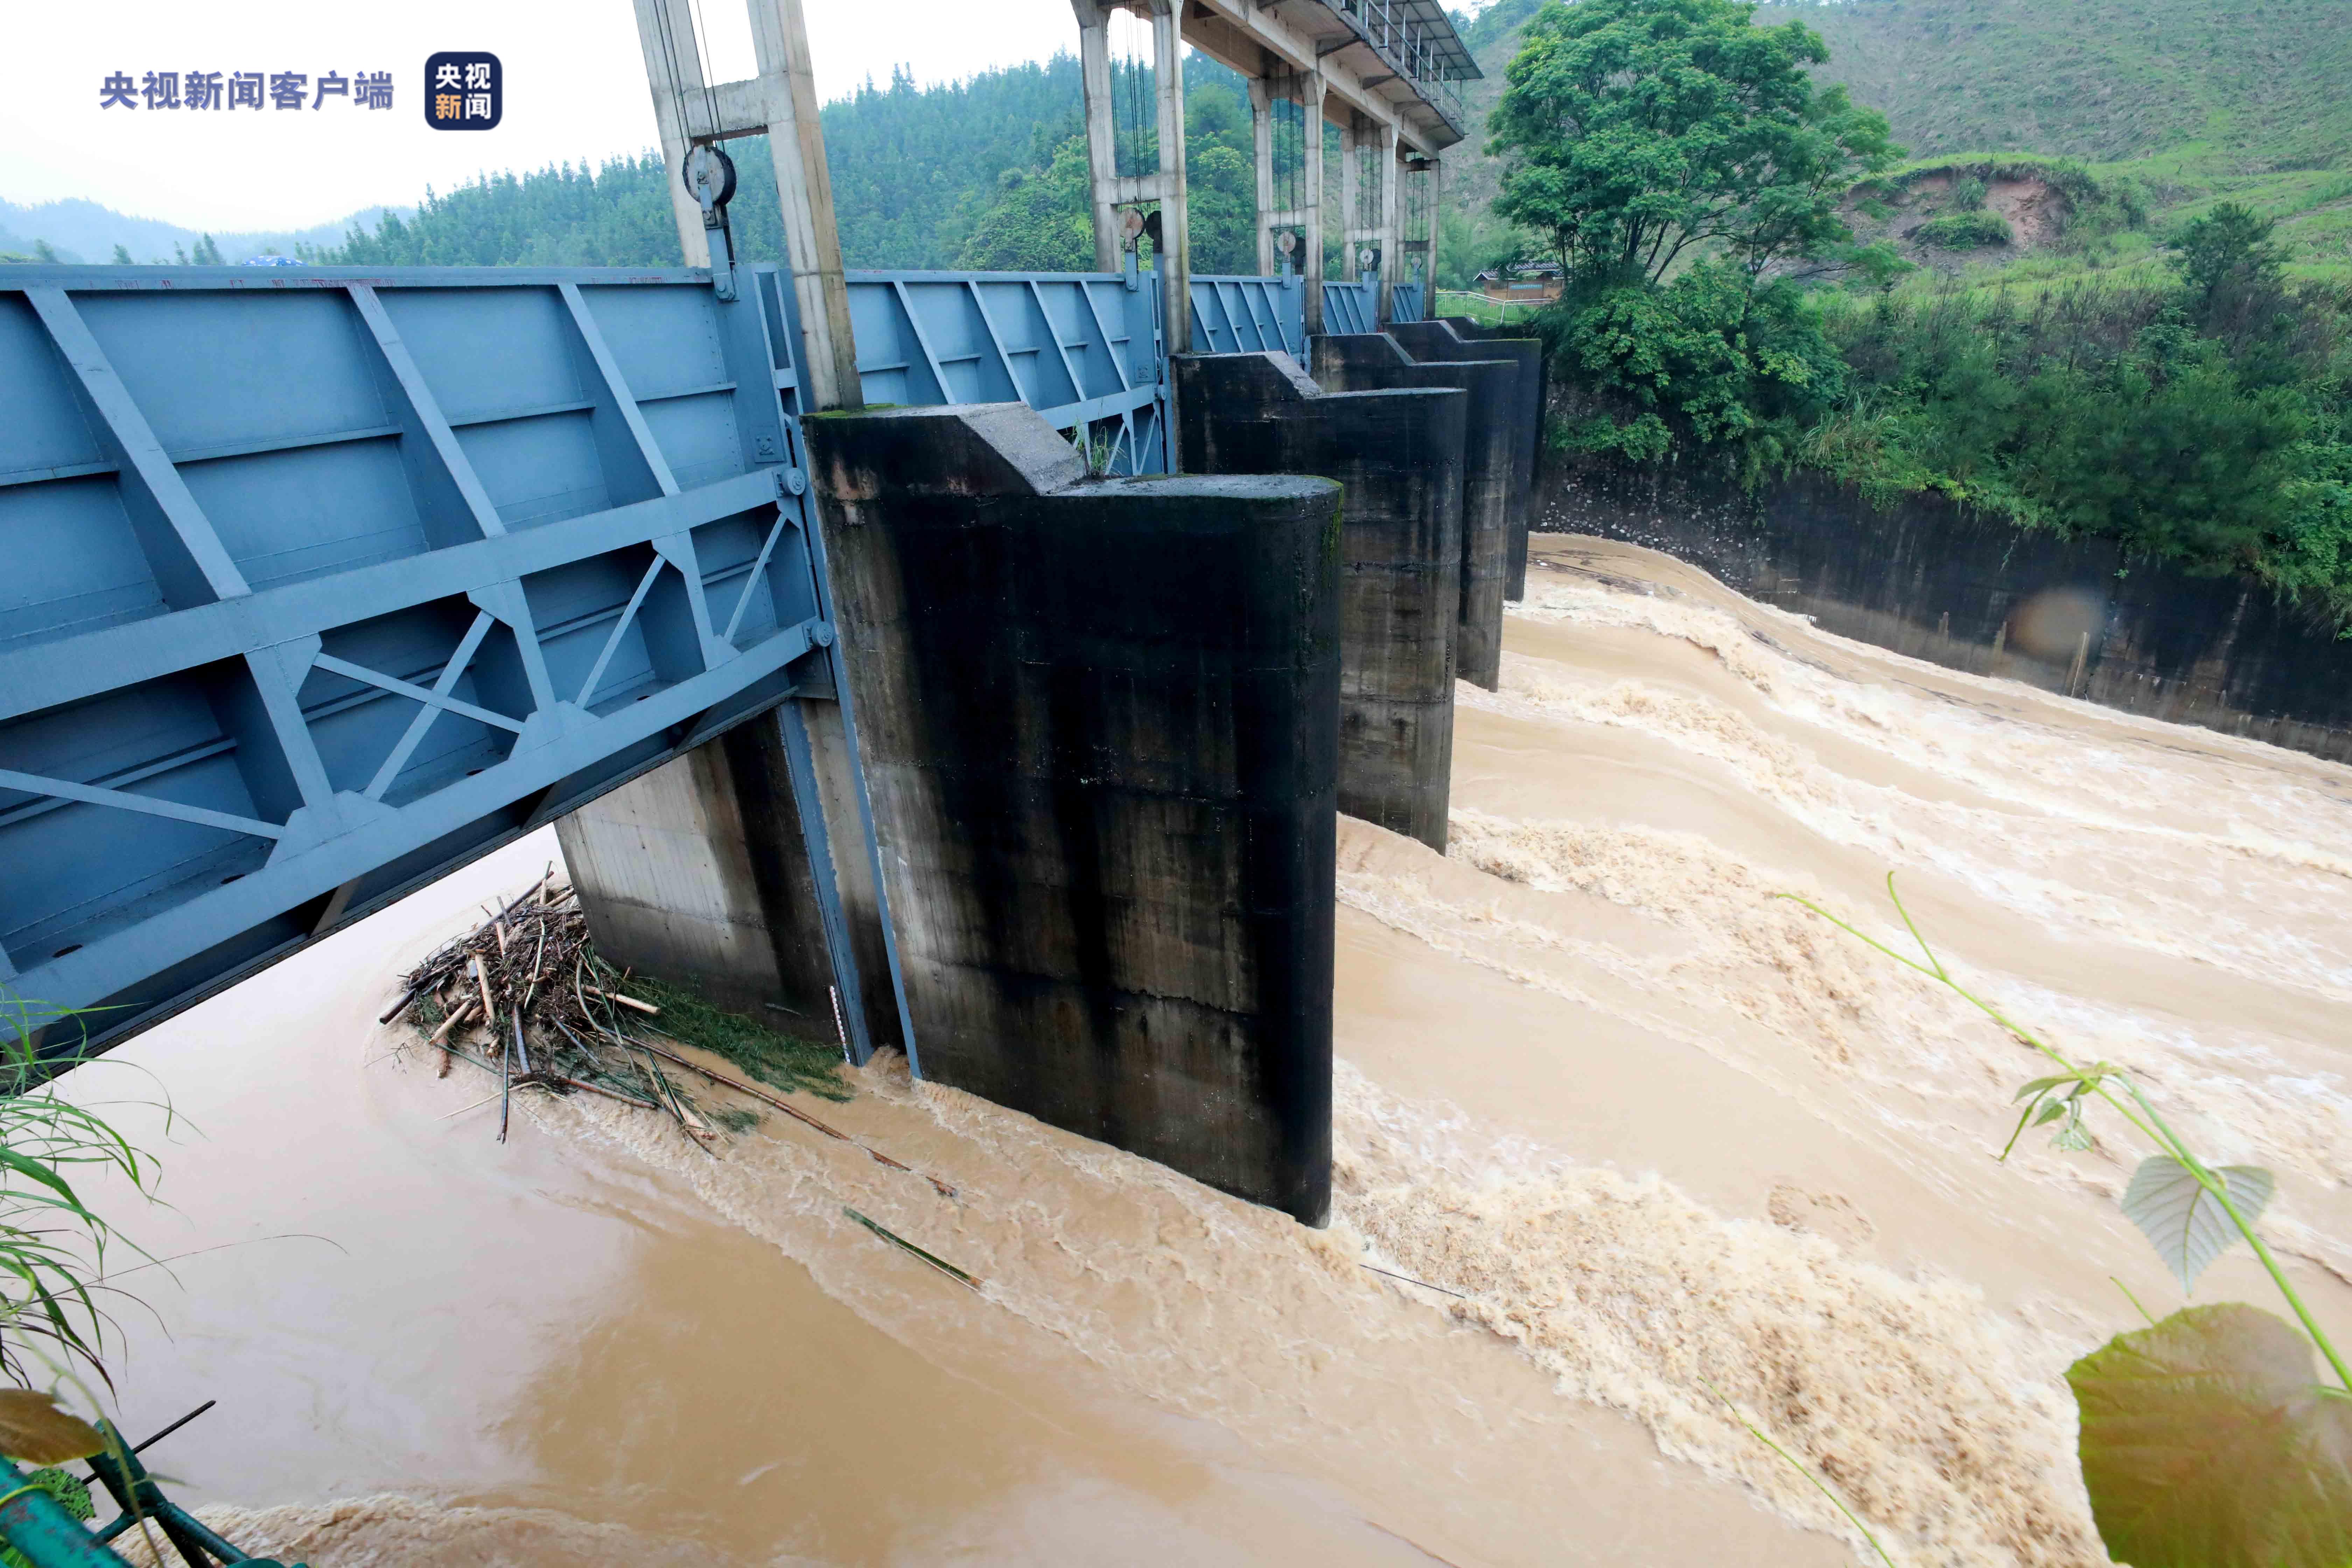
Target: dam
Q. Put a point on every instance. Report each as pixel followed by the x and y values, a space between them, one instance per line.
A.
pixel 1322 1062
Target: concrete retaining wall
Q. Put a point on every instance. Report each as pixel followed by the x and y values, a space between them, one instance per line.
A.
pixel 1450 338
pixel 1100 723
pixel 1398 456
pixel 1374 362
pixel 1932 580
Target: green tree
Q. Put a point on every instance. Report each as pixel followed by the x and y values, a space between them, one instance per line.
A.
pixel 1039 222
pixel 122 257
pixel 1711 354
pixel 2228 246
pixel 1637 130
pixel 43 251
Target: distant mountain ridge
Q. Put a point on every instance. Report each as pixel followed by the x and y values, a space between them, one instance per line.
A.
pixel 82 230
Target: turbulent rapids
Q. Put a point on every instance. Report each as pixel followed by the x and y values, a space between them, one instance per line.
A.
pixel 1630 1153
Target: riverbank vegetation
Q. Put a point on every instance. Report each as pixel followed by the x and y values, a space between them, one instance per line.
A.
pixel 2182 386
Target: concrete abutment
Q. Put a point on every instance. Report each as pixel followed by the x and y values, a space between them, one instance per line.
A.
pixel 1397 456
pixel 1371 361
pixel 1452 339
pixel 1099 721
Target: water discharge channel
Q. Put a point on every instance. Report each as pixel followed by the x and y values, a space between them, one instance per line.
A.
pixel 1652 1132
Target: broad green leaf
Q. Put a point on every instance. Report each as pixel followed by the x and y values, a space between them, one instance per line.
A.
pixel 33 1429
pixel 2037 1086
pixel 2187 1224
pixel 2206 1444
pixel 2073 1138
pixel 2051 1112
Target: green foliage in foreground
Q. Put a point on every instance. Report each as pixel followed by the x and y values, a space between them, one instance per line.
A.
pixel 778 1060
pixel 53 1246
pixel 2206 1441
pixel 71 1493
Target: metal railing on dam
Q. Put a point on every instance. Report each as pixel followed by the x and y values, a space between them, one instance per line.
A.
pixel 325 581
pixel 1081 348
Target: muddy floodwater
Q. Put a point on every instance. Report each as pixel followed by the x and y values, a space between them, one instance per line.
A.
pixel 1646 1133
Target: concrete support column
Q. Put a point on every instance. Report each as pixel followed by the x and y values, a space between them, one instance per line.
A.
pixel 1310 99
pixel 1351 199
pixel 1261 97
pixel 1386 234
pixel 804 195
pixel 674 75
pixel 708 868
pixel 1371 361
pixel 1175 261
pixel 1100 721
pixel 696 873
pixel 1436 205
pixel 1102 141
pixel 1398 454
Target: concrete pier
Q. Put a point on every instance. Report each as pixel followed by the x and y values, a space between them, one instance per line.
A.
pixel 695 873
pixel 1445 340
pixel 1398 454
pixel 1099 721
pixel 1369 362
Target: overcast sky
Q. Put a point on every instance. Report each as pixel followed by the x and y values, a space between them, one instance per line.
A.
pixel 574 83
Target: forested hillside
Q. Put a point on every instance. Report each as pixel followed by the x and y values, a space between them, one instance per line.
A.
pixel 913 171
pixel 987 173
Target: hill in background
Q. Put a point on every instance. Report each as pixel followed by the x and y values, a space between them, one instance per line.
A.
pixel 2188 101
pixel 84 231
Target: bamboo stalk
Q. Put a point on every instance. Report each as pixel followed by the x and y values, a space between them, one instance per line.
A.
pixel 506 1084
pixel 797 1114
pixel 402 1004
pixel 481 979
pixel 646 1007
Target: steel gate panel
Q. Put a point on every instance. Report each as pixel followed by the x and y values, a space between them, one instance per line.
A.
pixel 329 580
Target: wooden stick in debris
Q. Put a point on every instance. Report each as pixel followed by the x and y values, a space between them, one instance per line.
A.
pixel 600 1088
pixel 646 1007
pixel 440 1036
pixel 797 1114
pixel 489 1013
pixel 538 952
pixel 456 1014
pixel 693 1126
pixel 505 1084
pixel 412 992
pixel 901 1242
pixel 597 1088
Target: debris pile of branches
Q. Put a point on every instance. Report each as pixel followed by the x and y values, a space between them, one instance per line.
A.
pixel 525 996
